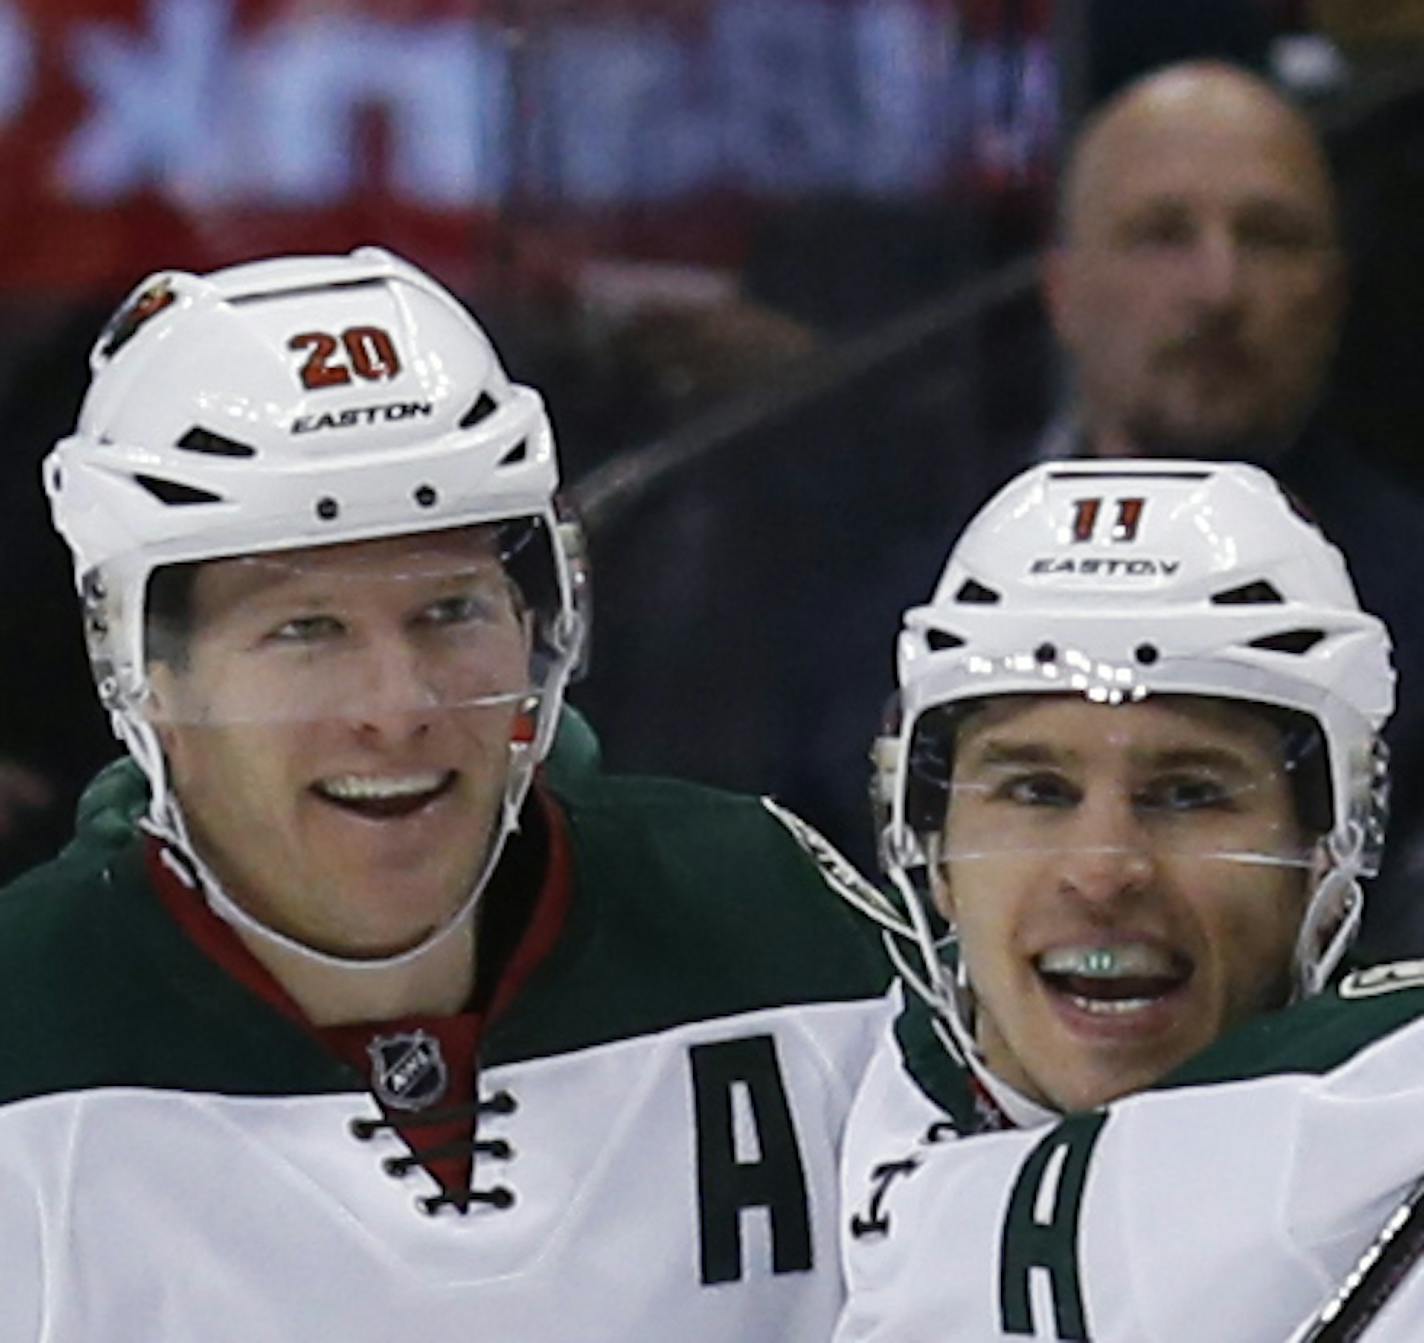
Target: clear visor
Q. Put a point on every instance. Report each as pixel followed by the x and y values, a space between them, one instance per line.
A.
pixel 374 632
pixel 1163 777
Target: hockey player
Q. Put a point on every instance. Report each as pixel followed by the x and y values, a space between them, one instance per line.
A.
pixel 369 1033
pixel 1133 791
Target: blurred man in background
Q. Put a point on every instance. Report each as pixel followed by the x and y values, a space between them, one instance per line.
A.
pixel 1198 281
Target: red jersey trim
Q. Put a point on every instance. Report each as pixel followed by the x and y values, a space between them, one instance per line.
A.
pixel 458 1035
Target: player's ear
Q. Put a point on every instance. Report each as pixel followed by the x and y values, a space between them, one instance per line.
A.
pixel 163 700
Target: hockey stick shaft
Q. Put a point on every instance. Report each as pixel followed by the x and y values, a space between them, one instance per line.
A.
pixel 1376 1276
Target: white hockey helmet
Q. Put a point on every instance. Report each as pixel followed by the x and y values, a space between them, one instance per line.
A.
pixel 292 403
pixel 1120 579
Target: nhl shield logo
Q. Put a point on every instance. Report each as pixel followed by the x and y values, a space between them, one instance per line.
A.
pixel 408 1071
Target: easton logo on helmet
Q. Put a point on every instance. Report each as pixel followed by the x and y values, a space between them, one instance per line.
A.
pixel 1105 568
pixel 349 419
pixel 408 1070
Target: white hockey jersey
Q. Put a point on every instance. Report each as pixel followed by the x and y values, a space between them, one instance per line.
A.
pixel 649 1127
pixel 1227 1204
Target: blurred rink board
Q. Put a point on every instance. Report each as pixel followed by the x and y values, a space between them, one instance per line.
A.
pixel 483 135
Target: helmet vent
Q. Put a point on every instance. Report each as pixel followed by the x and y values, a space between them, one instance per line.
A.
pixel 214 445
pixel 301 290
pixel 1259 593
pixel 976 594
pixel 516 454
pixel 483 408
pixel 1298 642
pixel 171 492
pixel 941 642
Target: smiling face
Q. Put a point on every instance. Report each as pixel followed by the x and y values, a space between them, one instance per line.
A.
pixel 1199 283
pixel 1106 934
pixel 338 725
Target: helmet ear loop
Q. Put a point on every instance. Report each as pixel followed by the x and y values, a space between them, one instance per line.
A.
pixel 1334 910
pixel 135 715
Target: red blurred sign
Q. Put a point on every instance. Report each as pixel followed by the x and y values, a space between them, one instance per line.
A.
pixel 484 138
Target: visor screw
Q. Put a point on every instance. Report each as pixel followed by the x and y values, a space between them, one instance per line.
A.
pixel 327 508
pixel 1045 653
pixel 426 496
pixel 1146 654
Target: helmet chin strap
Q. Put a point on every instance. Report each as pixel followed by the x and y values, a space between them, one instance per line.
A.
pixel 949 992
pixel 166 821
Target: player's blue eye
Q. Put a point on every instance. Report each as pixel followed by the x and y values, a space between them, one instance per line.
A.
pixel 1184 794
pixel 461 609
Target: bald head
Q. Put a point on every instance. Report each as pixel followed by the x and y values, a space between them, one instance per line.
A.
pixel 1197 282
pixel 1200 99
